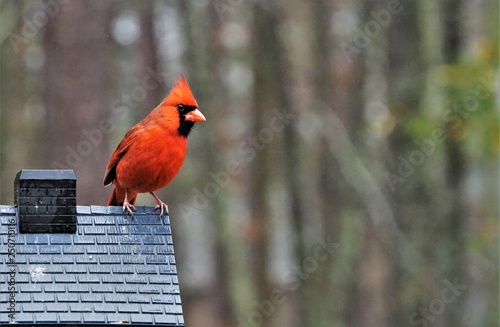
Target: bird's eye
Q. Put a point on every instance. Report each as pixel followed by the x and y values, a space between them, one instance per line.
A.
pixel 181 107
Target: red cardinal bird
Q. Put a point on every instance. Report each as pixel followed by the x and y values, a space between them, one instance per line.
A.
pixel 152 152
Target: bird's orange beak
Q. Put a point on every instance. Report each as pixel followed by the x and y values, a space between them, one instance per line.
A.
pixel 195 116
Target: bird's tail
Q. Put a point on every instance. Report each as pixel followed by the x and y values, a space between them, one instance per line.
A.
pixel 117 197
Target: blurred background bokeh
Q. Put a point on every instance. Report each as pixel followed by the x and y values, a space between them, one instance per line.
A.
pixel 347 174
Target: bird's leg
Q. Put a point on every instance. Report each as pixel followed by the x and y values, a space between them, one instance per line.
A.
pixel 127 206
pixel 160 204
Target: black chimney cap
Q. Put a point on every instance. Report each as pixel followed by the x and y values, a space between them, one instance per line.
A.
pixel 46 201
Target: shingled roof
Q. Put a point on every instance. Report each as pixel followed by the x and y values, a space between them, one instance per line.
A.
pixel 113 269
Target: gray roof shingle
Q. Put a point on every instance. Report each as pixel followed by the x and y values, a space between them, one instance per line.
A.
pixel 113 269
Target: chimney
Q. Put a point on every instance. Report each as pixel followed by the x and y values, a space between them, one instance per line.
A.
pixel 46 201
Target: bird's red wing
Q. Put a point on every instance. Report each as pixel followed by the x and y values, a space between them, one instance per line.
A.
pixel 121 149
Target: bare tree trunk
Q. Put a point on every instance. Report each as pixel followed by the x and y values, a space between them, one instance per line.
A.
pixel 328 201
pixel 375 270
pixel 202 55
pixel 457 166
pixel 374 281
pixel 16 107
pixel 148 48
pixel 78 79
pixel 264 100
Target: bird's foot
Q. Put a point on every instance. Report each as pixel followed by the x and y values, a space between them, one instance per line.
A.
pixel 129 207
pixel 160 205
pixel 163 208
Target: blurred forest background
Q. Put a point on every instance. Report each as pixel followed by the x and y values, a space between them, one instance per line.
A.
pixel 347 174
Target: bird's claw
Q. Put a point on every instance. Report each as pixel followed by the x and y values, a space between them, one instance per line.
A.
pixel 161 205
pixel 128 207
